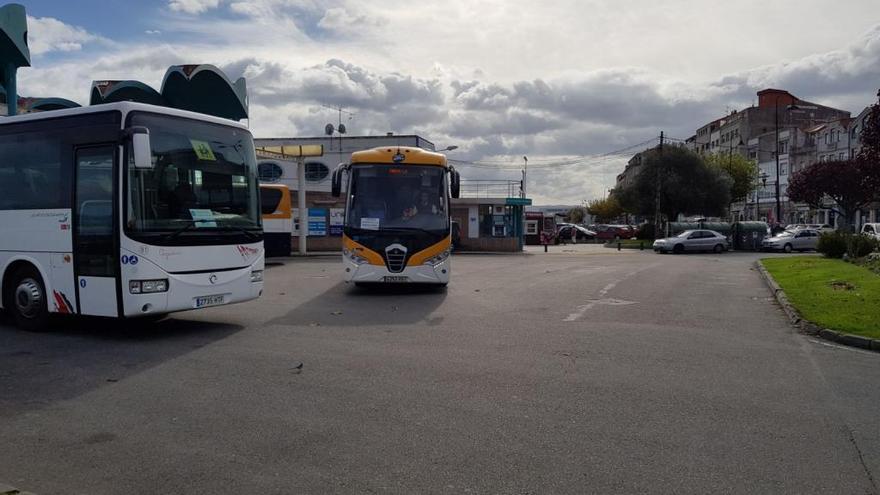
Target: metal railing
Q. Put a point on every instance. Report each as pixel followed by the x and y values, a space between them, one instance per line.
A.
pixel 475 188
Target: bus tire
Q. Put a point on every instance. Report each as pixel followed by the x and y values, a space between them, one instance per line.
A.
pixel 27 299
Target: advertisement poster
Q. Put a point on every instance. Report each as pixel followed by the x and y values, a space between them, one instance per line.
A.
pixel 337 218
pixel 317 221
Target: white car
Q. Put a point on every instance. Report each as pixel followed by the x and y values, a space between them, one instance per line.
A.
pixel 693 240
pixel 792 240
pixel 871 229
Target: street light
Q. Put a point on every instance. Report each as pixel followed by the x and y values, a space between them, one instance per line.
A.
pixel 763 176
pixel 448 148
pixel 776 147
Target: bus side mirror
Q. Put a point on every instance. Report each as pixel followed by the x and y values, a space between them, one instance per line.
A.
pixel 456 184
pixel 140 147
pixel 336 181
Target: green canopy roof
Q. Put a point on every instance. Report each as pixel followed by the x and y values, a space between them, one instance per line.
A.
pixel 205 89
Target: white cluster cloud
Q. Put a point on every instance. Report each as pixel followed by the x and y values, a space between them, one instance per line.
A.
pixel 298 56
pixel 193 6
pixel 47 34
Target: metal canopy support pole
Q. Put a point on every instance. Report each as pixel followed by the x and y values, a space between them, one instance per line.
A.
pixel 301 197
pixel 11 89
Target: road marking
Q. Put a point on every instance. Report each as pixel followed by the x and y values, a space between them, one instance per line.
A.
pixel 602 300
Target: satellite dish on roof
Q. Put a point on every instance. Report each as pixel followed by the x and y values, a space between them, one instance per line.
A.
pixel 328 129
pixel 341 129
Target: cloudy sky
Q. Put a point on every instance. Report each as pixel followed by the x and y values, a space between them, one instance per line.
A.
pixel 559 81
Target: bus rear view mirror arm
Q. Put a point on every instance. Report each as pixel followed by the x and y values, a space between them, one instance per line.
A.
pixel 139 140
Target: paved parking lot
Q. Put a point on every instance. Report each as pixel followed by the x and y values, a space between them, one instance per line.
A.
pixel 581 371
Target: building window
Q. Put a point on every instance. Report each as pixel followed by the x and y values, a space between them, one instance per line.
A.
pixel 316 172
pixel 841 156
pixel 269 172
pixel 783 147
pixel 532 227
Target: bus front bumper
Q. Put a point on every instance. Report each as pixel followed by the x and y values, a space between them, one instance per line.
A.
pixel 418 274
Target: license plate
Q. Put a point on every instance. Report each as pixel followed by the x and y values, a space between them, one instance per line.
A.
pixel 205 301
pixel 397 279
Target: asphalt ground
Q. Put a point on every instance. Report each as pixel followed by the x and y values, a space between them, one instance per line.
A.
pixel 583 370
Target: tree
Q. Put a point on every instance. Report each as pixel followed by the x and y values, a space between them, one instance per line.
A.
pixel 742 171
pixel 577 214
pixel 605 210
pixel 869 154
pixel 848 183
pixel 851 184
pixel 685 183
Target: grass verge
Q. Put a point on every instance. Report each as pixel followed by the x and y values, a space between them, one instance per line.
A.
pixel 629 244
pixel 831 293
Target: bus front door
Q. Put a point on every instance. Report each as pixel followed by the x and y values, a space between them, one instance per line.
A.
pixel 95 258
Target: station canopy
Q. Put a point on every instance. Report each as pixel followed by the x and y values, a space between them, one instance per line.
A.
pixel 198 88
pixel 115 91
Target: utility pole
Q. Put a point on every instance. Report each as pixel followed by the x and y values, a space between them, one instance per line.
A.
pixel 525 176
pixel 657 218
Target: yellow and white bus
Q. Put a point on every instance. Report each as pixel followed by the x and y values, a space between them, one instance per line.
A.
pixel 397 216
pixel 277 218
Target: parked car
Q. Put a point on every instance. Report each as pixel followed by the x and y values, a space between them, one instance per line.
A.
pixel 871 229
pixel 693 240
pixel 820 227
pixel 564 232
pixel 606 232
pixel 788 241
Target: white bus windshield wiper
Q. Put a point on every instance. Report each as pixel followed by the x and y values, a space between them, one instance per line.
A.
pixel 189 224
pixel 252 235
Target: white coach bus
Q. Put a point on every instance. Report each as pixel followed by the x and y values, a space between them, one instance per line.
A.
pixel 126 210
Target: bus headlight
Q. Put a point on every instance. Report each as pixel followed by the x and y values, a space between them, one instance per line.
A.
pixel 353 256
pixel 148 286
pixel 257 276
pixel 440 258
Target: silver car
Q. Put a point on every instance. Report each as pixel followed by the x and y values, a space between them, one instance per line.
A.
pixel 788 241
pixel 693 240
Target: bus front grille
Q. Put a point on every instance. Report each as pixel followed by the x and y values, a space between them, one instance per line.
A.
pixel 395 258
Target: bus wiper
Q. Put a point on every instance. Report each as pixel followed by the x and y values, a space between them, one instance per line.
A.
pixel 411 229
pixel 244 231
pixel 189 224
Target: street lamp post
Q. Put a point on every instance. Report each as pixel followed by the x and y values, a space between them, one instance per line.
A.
pixel 525 176
pixel 763 178
pixel 776 148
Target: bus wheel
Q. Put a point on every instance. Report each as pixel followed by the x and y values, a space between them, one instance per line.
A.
pixel 27 299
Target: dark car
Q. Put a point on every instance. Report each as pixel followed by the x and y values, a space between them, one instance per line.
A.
pixel 564 232
pixel 607 232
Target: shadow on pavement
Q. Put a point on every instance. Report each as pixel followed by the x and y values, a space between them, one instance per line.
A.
pixel 78 355
pixel 346 305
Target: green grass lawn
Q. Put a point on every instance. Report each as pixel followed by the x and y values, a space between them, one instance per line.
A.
pixel 629 244
pixel 831 293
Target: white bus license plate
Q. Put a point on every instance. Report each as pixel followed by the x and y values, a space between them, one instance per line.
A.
pixel 397 279
pixel 205 301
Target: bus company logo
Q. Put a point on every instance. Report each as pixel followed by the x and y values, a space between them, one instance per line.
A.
pixel 399 157
pixel 246 252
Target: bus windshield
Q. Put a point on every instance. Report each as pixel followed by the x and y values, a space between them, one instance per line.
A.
pixel 389 197
pixel 203 184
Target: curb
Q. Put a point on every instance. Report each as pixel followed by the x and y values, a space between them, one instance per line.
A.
pixel 809 327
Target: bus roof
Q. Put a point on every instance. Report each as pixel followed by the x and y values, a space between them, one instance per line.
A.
pixel 124 107
pixel 411 156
